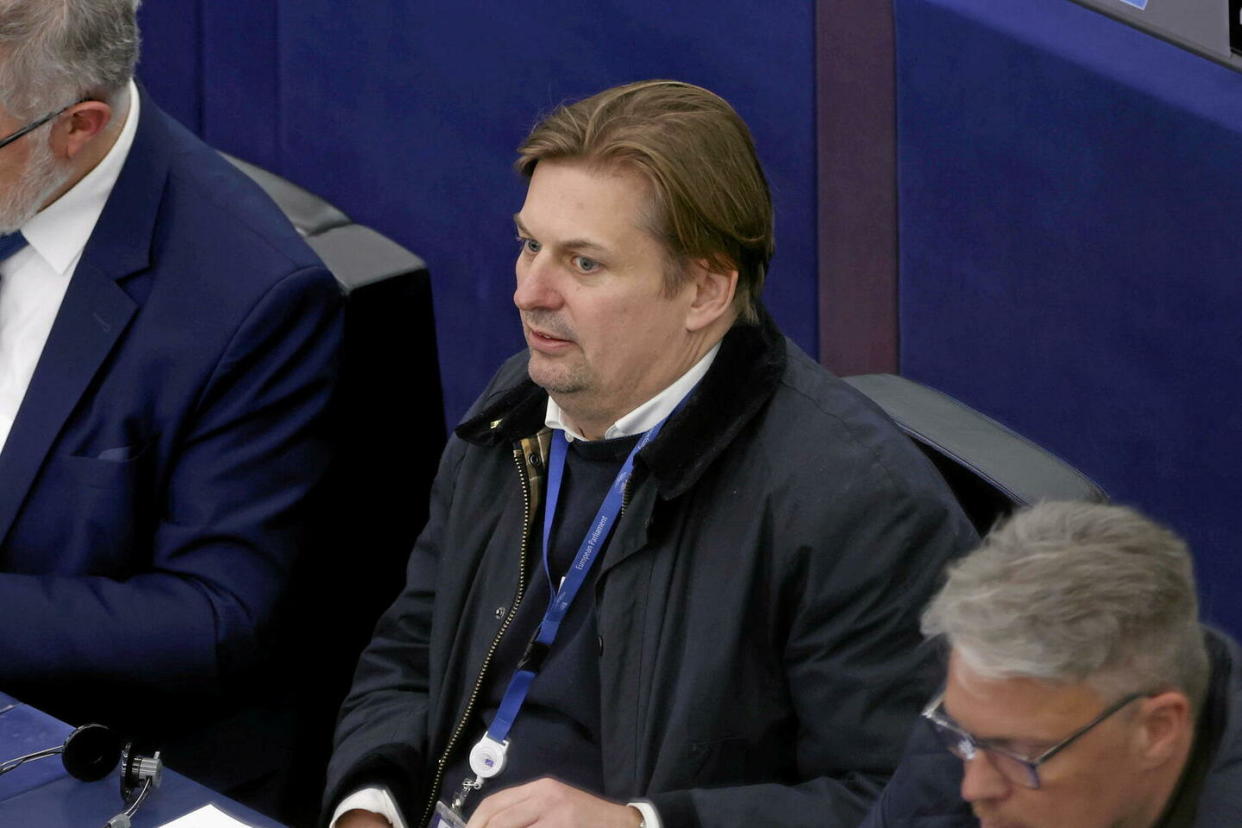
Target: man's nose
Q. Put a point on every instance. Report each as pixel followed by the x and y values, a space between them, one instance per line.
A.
pixel 981 780
pixel 536 283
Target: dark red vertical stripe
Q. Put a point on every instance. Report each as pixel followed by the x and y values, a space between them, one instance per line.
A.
pixel 857 186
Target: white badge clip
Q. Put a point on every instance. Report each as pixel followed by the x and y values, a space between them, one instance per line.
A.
pixel 487 757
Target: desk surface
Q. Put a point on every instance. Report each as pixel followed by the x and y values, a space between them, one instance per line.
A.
pixel 41 794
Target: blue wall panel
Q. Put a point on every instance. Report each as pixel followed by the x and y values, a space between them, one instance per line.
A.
pixel 406 115
pixel 241 101
pixel 1070 198
pixel 172 57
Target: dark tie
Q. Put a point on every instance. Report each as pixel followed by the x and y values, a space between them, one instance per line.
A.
pixel 10 244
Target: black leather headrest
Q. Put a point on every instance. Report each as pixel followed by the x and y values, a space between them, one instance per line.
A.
pixel 309 214
pixel 990 468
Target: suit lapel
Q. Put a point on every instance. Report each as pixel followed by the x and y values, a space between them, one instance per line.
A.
pixel 93 315
pixel 95 312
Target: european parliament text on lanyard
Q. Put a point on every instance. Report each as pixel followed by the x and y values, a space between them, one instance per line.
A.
pixel 487 757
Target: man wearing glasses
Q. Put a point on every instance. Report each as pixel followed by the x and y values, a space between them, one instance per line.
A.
pixel 1082 692
pixel 167 349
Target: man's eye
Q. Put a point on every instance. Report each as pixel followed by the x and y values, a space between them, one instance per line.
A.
pixel 585 265
pixel 529 245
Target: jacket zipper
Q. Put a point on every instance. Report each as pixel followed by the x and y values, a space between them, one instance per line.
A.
pixel 442 762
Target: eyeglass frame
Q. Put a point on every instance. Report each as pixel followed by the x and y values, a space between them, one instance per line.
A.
pixel 944 727
pixel 33 125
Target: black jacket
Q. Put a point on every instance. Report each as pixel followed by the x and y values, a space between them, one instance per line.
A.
pixel 758 603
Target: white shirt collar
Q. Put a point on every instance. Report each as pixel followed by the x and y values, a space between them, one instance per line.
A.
pixel 646 415
pixel 59 232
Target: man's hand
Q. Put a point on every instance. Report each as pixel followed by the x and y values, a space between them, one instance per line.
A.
pixel 551 804
pixel 362 819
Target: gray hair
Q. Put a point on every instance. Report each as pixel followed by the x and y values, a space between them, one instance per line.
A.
pixel 56 52
pixel 1077 593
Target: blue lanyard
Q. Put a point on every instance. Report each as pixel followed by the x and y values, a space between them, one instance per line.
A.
pixel 588 551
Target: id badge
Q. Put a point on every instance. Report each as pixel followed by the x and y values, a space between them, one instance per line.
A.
pixel 446 817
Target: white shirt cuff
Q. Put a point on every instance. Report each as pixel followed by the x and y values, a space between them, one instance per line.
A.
pixel 376 800
pixel 651 817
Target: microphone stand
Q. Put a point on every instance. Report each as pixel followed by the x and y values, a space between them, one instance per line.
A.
pixel 136 770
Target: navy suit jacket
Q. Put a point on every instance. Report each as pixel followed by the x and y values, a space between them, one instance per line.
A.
pixel 153 487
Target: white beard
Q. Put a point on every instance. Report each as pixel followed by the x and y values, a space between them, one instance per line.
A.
pixel 43 176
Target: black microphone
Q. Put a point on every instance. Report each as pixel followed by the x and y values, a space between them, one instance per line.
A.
pixel 89 753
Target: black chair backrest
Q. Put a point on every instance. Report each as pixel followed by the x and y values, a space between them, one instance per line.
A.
pixel 990 469
pixel 390 429
pixel 390 407
pixel 307 212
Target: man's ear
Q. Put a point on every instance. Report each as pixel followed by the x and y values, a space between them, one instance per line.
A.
pixel 80 125
pixel 1165 727
pixel 713 294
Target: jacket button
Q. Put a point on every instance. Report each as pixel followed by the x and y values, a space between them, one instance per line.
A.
pixel 600 641
pixel 535 460
pixel 500 613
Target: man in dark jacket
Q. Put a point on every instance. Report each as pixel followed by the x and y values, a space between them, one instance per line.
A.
pixel 1082 691
pixel 738 545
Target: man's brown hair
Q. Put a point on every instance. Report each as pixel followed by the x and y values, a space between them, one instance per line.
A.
pixel 711 199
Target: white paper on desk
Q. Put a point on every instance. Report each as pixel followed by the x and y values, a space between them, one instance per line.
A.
pixel 208 816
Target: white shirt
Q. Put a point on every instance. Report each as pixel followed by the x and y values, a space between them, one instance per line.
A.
pixel 33 280
pixel 379 800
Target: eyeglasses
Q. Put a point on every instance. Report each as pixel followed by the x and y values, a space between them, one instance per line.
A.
pixel 33 125
pixel 1023 770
